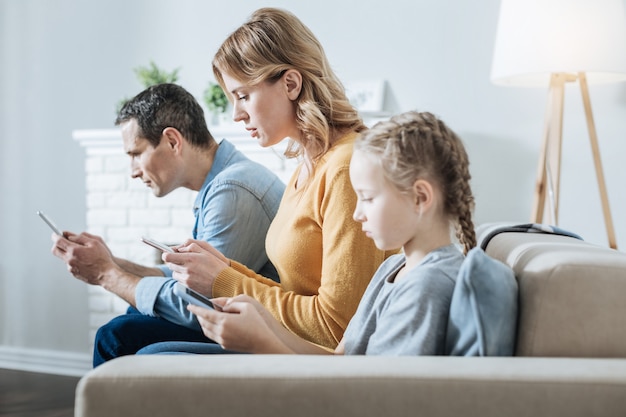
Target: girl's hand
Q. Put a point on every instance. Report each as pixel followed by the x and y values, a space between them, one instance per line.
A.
pixel 196 264
pixel 240 327
pixel 263 312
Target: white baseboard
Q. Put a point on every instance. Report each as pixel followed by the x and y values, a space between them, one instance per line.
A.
pixel 45 361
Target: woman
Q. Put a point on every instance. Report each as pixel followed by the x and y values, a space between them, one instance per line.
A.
pixel 278 78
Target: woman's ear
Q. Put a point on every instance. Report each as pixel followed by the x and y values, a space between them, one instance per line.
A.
pixel 173 138
pixel 293 81
pixel 424 194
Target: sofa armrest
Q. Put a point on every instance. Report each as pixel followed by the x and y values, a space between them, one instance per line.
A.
pixel 571 295
pixel 284 385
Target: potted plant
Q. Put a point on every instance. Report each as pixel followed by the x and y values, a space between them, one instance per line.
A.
pixel 151 75
pixel 216 102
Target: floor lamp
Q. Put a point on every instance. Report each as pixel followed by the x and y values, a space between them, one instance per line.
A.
pixel 549 43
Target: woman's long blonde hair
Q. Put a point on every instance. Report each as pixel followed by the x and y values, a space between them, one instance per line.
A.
pixel 414 145
pixel 273 41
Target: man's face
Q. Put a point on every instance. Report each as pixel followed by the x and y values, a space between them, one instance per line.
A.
pixel 154 166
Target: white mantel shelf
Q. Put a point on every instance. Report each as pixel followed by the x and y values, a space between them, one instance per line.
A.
pixel 98 138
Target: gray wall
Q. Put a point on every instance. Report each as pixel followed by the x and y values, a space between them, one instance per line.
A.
pixel 64 64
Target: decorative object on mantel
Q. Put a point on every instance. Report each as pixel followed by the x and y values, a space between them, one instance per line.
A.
pixel 368 97
pixel 549 43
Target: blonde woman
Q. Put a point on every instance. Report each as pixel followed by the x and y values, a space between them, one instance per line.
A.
pixel 277 76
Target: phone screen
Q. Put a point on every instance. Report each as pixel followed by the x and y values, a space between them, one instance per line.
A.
pixel 194 297
pixel 156 244
pixel 199 297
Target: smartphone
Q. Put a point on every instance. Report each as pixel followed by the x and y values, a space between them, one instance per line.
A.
pixel 50 223
pixel 156 244
pixel 194 297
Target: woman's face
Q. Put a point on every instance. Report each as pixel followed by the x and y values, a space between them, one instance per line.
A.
pixel 267 109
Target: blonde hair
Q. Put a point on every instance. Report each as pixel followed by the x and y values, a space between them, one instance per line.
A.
pixel 273 41
pixel 415 145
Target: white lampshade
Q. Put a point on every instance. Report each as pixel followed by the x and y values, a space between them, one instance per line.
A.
pixel 536 38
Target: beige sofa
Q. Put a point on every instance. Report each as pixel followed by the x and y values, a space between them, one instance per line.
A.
pixel 570 359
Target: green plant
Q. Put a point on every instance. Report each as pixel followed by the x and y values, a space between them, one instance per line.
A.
pixel 151 75
pixel 215 99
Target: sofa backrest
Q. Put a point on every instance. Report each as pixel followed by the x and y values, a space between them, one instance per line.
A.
pixel 572 295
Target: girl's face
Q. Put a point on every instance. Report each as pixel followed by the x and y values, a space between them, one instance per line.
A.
pixel 268 109
pixel 388 216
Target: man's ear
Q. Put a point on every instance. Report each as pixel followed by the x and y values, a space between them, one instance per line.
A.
pixel 293 81
pixel 173 139
pixel 424 194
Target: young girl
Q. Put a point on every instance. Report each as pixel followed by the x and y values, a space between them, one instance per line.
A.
pixel 411 176
pixel 281 85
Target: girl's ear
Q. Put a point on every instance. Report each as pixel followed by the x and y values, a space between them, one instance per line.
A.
pixel 293 81
pixel 173 138
pixel 424 194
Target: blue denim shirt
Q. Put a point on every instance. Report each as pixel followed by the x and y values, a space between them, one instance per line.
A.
pixel 233 210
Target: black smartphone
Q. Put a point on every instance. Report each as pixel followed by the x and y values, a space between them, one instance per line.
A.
pixel 194 297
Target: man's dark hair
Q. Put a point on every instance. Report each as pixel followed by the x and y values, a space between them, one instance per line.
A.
pixel 167 105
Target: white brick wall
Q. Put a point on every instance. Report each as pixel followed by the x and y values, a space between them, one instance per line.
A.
pixel 122 209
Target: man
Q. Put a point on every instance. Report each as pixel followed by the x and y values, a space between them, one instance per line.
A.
pixel 166 137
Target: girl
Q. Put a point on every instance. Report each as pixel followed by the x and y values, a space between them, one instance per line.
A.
pixel 411 176
pixel 282 87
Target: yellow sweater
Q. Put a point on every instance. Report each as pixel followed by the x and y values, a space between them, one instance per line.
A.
pixel 323 258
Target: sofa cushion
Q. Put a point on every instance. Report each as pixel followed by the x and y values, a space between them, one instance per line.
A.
pixel 483 311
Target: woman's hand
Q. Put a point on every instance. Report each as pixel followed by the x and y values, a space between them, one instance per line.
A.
pixel 196 264
pixel 240 327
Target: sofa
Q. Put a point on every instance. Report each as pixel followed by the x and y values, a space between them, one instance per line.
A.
pixel 570 359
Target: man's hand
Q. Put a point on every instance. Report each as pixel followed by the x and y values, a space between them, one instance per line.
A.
pixel 90 260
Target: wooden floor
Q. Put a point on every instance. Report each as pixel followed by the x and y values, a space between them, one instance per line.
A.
pixel 29 394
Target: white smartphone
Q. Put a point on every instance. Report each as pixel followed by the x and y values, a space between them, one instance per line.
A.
pixel 194 297
pixel 157 244
pixel 50 223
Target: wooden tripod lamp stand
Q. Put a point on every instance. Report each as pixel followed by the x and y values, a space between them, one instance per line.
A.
pixel 550 43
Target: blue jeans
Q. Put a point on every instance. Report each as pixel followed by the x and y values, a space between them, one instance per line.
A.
pixel 183 348
pixel 128 333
